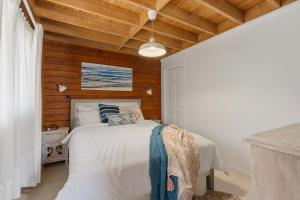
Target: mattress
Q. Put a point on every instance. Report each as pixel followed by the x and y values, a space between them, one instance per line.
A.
pixel 112 163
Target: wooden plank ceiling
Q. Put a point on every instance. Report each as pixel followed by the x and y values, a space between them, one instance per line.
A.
pixel 123 25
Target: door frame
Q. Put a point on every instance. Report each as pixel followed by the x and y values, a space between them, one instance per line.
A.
pixel 164 70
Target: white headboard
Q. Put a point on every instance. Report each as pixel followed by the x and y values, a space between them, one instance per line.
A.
pixel 91 102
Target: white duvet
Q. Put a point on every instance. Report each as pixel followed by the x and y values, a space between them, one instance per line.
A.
pixel 112 163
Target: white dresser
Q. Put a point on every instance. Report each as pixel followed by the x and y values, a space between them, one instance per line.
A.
pixel 275 170
pixel 52 148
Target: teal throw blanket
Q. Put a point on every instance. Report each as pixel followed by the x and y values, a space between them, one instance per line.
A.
pixel 158 168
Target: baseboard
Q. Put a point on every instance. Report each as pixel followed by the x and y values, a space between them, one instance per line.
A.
pixel 242 171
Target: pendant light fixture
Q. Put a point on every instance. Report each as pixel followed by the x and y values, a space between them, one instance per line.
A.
pixel 152 48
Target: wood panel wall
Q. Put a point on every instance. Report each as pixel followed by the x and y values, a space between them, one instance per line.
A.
pixel 62 64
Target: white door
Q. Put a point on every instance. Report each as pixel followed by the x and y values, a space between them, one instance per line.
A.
pixel 174 95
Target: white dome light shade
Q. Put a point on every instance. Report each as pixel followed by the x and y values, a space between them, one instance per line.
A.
pixel 152 49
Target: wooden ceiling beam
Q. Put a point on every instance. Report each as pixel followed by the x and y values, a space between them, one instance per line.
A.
pixel 31 3
pixel 105 25
pixel 135 30
pixel 173 51
pixel 79 41
pixel 90 44
pixel 177 14
pixel 174 13
pixel 203 36
pixel 103 9
pixel 286 2
pixel 274 3
pixel 143 4
pixel 171 31
pixel 225 9
pixel 55 13
pixel 146 5
pixel 106 10
pixel 134 44
pixel 84 43
pixel 258 10
pixel 130 51
pixel 161 3
pixel 226 25
pixel 83 33
pixel 171 11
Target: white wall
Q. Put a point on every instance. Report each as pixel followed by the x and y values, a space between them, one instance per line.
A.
pixel 242 82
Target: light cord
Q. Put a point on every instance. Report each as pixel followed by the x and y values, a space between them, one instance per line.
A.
pixel 152 29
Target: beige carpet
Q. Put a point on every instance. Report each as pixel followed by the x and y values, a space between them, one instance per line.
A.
pixel 215 195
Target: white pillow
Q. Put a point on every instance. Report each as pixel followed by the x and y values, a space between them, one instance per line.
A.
pixel 87 117
pixel 87 108
pixel 135 111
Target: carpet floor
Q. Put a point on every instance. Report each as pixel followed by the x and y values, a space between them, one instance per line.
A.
pixel 215 195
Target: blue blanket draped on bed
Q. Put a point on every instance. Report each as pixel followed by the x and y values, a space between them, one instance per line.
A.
pixel 158 168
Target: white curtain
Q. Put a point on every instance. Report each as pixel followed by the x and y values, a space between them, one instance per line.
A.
pixel 20 101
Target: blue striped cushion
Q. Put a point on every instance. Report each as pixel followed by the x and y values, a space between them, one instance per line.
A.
pixel 107 109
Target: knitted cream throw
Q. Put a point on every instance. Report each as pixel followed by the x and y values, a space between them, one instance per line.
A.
pixel 183 159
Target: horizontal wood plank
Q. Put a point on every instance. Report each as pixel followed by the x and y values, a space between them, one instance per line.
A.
pixel 62 64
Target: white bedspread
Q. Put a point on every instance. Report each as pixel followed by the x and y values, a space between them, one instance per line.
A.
pixel 112 163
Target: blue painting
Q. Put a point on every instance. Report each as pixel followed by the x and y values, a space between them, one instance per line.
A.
pixel 105 77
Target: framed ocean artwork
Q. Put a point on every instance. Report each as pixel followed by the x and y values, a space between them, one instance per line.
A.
pixel 105 77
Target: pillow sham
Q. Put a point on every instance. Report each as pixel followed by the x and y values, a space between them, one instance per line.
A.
pixel 107 109
pixel 87 117
pixel 137 114
pixel 83 108
pixel 119 119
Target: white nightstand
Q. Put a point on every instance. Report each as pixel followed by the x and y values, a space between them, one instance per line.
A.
pixel 52 148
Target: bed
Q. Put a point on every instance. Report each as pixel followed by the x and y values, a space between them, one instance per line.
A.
pixel 112 163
